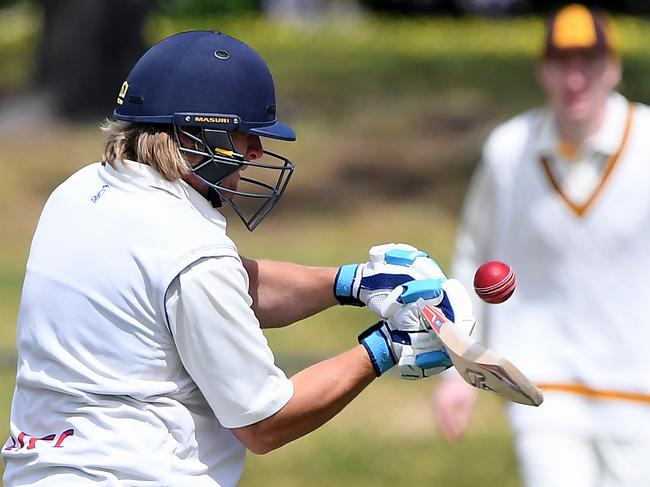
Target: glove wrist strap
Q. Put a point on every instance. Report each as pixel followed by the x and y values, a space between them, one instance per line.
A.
pixel 344 285
pixel 374 341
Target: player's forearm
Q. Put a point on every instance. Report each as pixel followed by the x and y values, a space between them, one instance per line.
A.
pixel 284 293
pixel 320 392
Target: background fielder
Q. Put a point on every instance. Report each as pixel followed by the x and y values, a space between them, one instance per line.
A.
pixel 561 194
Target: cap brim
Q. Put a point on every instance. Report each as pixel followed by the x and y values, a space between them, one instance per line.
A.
pixel 278 130
pixel 551 51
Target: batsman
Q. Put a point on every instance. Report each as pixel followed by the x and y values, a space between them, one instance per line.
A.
pixel 141 357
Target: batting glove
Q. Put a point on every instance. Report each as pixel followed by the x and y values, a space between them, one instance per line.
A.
pixel 426 357
pixel 389 265
pixel 417 354
pixel 449 295
pixel 457 305
pixel 402 340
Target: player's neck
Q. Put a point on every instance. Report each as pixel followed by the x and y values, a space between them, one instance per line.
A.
pixel 576 133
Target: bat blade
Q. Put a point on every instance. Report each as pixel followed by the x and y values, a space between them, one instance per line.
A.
pixel 479 366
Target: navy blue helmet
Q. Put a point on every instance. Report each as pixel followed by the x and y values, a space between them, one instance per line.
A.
pixel 206 85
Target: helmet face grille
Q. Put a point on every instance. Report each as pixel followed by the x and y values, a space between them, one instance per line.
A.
pixel 259 184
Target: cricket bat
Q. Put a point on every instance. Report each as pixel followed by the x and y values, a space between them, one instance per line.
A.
pixel 480 366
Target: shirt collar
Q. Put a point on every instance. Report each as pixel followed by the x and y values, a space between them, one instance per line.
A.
pixel 606 140
pixel 146 176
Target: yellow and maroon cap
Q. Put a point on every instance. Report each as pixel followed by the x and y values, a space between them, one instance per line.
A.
pixel 578 27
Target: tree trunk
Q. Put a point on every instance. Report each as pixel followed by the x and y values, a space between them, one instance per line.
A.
pixel 86 51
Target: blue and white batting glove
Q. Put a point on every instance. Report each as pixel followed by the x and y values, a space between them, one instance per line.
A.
pixel 388 266
pixel 449 295
pixel 426 356
pixel 402 314
pixel 388 348
pixel 402 340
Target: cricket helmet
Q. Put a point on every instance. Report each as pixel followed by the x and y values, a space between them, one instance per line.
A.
pixel 207 84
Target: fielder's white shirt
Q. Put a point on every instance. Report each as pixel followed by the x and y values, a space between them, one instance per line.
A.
pixel 576 233
pixel 137 345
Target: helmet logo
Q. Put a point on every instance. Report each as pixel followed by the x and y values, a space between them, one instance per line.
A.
pixel 122 94
pixel 221 120
pixel 221 54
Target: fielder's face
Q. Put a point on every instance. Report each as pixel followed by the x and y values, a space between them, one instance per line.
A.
pixel 578 83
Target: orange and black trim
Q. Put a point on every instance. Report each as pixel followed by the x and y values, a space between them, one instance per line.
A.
pixel 603 394
pixel 612 162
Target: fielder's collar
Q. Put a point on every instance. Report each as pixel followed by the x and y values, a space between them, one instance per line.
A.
pixel 606 140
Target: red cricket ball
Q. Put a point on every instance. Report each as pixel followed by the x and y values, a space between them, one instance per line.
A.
pixel 494 282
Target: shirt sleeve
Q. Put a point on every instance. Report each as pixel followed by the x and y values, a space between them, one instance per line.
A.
pixel 221 344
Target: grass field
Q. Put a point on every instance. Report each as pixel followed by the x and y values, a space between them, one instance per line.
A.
pixel 390 117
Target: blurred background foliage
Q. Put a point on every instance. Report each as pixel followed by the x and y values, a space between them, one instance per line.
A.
pixel 391 101
pixel 197 8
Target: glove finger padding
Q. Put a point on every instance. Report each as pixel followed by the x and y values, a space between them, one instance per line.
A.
pixel 412 371
pixel 428 268
pixel 410 351
pixel 389 265
pixel 392 265
pixel 377 253
pixel 425 357
pixel 397 301
pixel 457 305
pixel 421 363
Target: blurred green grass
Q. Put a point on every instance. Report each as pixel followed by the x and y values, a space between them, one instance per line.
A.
pixel 390 116
pixel 19 28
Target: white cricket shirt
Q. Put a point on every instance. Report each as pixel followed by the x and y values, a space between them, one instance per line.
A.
pixel 575 232
pixel 137 345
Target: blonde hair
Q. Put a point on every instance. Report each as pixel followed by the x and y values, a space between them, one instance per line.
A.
pixel 154 145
